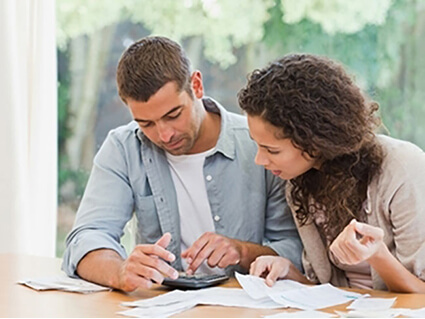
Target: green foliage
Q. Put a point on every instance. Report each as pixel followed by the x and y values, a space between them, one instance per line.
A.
pixel 223 25
pixel 367 36
pixel 379 41
pixel 336 16
pixel 381 56
pixel 77 178
pixel 356 51
pixel 78 17
pixel 63 101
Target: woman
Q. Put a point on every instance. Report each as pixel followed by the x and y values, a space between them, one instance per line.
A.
pixel 358 198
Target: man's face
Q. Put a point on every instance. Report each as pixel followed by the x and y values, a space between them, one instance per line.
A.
pixel 170 119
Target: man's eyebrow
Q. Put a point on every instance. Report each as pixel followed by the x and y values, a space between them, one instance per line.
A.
pixel 166 114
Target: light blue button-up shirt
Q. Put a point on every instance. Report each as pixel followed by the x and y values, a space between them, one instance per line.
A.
pixel 131 175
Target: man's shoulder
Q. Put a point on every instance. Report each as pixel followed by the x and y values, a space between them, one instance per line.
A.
pixel 237 121
pixel 124 132
pixel 237 126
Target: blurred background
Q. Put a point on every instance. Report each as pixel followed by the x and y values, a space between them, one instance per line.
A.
pixel 381 43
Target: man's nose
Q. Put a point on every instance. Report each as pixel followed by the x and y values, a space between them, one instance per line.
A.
pixel 165 132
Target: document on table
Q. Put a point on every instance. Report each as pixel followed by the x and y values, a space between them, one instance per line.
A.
pixel 316 297
pixel 62 282
pixel 232 297
pixel 256 287
pixel 295 295
pixel 255 294
pixel 177 301
pixel 414 313
pixel 388 313
pixel 159 311
pixel 372 304
pixel 303 314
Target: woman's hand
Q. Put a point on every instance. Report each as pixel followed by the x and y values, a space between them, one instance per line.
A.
pixel 351 249
pixel 270 267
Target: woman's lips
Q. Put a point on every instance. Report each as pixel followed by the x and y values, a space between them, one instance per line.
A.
pixel 276 172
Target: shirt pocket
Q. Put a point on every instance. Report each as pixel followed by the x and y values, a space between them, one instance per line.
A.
pixel 148 227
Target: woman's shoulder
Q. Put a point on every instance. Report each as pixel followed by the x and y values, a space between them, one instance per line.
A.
pixel 397 144
pixel 402 159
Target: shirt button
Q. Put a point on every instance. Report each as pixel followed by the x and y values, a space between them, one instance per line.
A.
pixel 217 218
pixel 209 178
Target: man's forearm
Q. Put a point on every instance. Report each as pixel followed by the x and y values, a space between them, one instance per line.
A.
pixel 250 251
pixel 101 266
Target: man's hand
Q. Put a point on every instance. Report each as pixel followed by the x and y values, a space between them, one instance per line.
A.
pixel 146 264
pixel 351 250
pixel 216 249
pixel 271 268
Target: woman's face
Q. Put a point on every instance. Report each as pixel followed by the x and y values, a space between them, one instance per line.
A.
pixel 279 156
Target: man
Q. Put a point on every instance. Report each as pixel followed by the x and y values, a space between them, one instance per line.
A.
pixel 185 167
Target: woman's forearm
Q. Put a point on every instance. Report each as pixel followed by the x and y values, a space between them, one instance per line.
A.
pixel 394 274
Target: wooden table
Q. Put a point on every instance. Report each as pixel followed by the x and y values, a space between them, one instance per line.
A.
pixel 20 301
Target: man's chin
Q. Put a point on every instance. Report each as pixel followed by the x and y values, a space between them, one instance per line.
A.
pixel 181 148
pixel 177 151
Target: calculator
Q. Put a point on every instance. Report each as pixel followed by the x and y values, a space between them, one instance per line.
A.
pixel 196 281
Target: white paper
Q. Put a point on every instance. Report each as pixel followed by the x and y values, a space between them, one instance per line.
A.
pixel 372 304
pixel 388 313
pixel 315 297
pixel 414 313
pixel 62 282
pixel 302 314
pixel 159 311
pixel 231 297
pixel 256 287
pixel 161 300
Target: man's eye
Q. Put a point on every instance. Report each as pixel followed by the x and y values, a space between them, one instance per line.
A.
pixel 172 117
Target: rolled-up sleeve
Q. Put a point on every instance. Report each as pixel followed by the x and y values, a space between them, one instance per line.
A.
pixel 280 231
pixel 106 207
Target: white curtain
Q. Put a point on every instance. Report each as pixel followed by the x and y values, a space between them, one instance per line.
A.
pixel 28 127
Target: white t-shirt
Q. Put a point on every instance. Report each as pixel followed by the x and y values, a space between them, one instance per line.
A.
pixel 194 208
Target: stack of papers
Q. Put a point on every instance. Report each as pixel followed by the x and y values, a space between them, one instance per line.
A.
pixel 64 283
pixel 374 304
pixel 255 294
pixel 288 293
pixel 303 314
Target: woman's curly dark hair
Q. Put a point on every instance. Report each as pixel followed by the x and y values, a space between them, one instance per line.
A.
pixel 314 102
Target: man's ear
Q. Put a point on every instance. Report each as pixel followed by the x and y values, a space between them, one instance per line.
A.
pixel 197 85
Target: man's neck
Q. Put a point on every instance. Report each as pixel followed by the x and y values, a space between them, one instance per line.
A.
pixel 208 133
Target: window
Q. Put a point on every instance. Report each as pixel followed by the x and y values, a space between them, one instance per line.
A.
pixel 379 41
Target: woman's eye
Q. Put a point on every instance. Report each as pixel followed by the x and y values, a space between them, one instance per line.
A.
pixel 144 125
pixel 273 152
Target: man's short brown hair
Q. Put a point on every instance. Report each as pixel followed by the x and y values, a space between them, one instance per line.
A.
pixel 150 63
